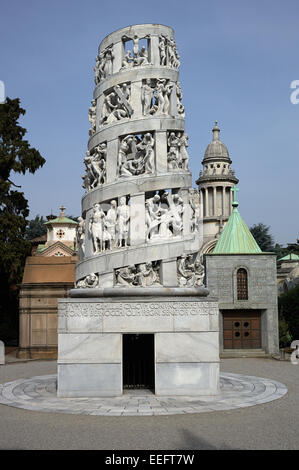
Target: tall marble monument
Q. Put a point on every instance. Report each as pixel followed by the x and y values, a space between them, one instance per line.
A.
pixel 139 305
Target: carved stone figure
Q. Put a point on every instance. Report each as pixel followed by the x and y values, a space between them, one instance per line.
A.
pixel 146 146
pixel 92 117
pixel 143 275
pixel 80 236
pixel 184 157
pixel 173 57
pixel 173 151
pixel 128 60
pixel 135 45
pixel 162 49
pixel 95 167
pixel 147 275
pixel 109 230
pixel 177 155
pixel 195 206
pixel 91 281
pixel 185 271
pixel 179 94
pixel 190 274
pixel 162 94
pixel 126 276
pixel 88 177
pixel 142 58
pixel 110 222
pixel 123 218
pixel 199 274
pixel 136 155
pixel 103 66
pixel 116 104
pixel 164 221
pixel 147 94
pixel 108 62
pixel 177 209
pixel 96 228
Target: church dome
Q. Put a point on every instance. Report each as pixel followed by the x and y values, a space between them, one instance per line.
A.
pixel 216 149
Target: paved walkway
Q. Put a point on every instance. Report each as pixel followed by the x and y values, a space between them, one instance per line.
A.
pixel 236 391
pixel 268 425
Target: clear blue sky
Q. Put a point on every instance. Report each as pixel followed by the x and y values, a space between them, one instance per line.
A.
pixel 238 59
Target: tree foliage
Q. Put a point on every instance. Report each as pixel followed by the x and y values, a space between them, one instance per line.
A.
pixel 16 156
pixel 262 236
pixel 35 228
pixel 288 305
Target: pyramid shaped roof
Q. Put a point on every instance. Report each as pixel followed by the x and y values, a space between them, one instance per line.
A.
pixel 290 256
pixel 236 236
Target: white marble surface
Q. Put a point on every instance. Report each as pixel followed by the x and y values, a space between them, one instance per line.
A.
pixel 187 378
pixel 90 348
pixel 89 380
pixel 187 347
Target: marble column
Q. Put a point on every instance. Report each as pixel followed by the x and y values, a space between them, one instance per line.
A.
pixel 168 272
pixel 118 52
pixel 154 51
pixel 135 99
pixel 111 164
pixel 223 201
pixel 161 151
pixel 207 202
pixel 215 200
pixel 137 219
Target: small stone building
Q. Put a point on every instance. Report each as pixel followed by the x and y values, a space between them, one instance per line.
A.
pixel 287 273
pixel 48 275
pixel 244 280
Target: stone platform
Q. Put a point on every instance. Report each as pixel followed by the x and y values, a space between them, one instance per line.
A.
pixel 185 328
pixel 236 391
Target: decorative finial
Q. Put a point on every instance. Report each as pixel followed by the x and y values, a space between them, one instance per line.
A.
pixel 62 209
pixel 234 190
pixel 216 131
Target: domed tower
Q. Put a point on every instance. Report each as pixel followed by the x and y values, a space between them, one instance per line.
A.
pixel 139 280
pixel 214 186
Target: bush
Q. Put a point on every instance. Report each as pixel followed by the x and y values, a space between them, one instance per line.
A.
pixel 288 305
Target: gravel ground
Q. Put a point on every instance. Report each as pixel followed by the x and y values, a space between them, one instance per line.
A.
pixel 271 425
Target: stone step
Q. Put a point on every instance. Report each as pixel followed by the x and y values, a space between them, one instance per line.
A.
pixel 230 353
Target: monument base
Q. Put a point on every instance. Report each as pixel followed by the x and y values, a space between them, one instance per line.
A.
pixel 177 338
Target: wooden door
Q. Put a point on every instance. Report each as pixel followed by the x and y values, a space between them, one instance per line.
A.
pixel 241 330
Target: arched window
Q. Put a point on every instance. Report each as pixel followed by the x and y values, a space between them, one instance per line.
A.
pixel 242 284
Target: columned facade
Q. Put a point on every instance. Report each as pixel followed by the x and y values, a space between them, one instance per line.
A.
pixel 214 186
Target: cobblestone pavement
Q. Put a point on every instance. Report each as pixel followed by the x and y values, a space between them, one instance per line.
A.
pixel 236 391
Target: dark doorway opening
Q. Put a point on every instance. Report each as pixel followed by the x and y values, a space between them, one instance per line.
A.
pixel 138 361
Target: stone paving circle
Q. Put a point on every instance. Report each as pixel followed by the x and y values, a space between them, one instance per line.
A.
pixel 236 391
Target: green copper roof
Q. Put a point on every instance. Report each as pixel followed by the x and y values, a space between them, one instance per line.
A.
pixel 236 236
pixel 290 256
pixel 40 248
pixel 61 220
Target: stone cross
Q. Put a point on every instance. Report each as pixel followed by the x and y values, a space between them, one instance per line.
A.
pixel 234 190
pixel 123 100
pixel 62 209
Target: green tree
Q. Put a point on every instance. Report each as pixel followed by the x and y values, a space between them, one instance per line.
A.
pixel 288 305
pixel 262 236
pixel 16 156
pixel 35 228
